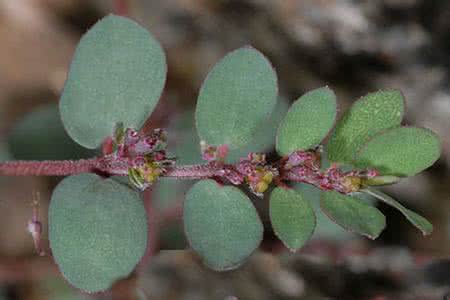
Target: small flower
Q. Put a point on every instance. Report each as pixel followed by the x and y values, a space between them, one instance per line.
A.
pixel 145 156
pixel 213 153
pixel 370 173
pixel 257 158
pixel 152 171
pixel 131 137
pixel 303 158
pixel 146 172
pixel 233 176
pixel 257 174
pixel 351 184
pixel 136 177
pixel 118 133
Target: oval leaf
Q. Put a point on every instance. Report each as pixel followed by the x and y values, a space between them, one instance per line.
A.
pixel 403 151
pixel 97 231
pixel 325 228
pixel 117 75
pixel 353 214
pixel 221 224
pixel 40 135
pixel 292 217
pixel 417 220
pixel 238 94
pixel 307 122
pixel 187 145
pixel 369 115
pixel 264 139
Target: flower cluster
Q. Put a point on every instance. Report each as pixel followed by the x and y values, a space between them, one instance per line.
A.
pixel 305 166
pixel 345 182
pixel 256 172
pixel 252 169
pixel 145 155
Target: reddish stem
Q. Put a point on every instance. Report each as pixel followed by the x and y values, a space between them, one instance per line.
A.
pixel 112 165
pixel 48 168
pixel 121 7
pixel 107 165
pixel 194 172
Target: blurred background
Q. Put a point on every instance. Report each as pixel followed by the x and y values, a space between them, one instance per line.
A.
pixel 353 46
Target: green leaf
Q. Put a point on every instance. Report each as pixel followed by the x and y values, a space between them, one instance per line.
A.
pixel 183 142
pixel 368 116
pixel 97 230
pixel 238 94
pixel 403 151
pixel 117 75
pixel 40 135
pixel 325 228
pixel 264 139
pixel 353 214
pixel 292 217
pixel 221 224
pixel 186 144
pixel 380 180
pixel 417 220
pixel 307 122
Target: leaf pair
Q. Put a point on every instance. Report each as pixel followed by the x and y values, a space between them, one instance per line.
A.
pixel 222 225
pixel 294 221
pixel 357 216
pixel 240 92
pixel 369 136
pixel 98 227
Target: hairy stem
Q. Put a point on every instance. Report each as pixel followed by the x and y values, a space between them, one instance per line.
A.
pixel 48 168
pixel 105 165
pixel 110 165
pixel 194 172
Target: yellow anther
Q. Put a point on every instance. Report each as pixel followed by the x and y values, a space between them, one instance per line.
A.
pixel 352 183
pixel 157 172
pixel 268 177
pixel 261 187
pixel 151 178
